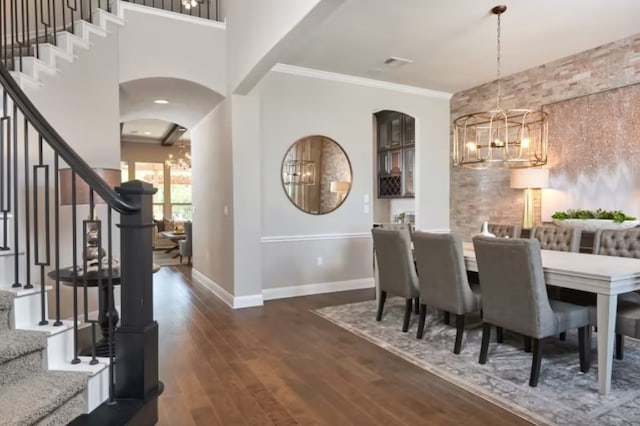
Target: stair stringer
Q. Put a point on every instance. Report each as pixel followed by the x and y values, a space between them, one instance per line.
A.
pixel 29 70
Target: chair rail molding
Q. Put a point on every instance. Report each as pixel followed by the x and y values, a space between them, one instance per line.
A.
pixel 314 237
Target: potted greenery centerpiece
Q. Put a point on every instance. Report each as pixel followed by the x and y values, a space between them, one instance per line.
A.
pixel 590 220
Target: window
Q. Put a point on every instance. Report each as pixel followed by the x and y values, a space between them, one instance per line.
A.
pixel 124 169
pixel 153 173
pixel 181 208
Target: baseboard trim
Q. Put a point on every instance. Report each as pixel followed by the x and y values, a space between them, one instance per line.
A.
pixel 234 302
pixel 317 288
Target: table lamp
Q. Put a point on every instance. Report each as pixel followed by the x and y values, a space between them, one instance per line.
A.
pixel 92 252
pixel 341 188
pixel 529 179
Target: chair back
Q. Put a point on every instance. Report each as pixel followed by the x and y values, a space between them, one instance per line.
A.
pixel 622 242
pixel 396 270
pixel 505 231
pixel 557 238
pixel 442 275
pixel 514 295
pixel 188 236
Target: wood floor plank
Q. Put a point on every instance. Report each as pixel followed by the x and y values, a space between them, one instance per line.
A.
pixel 281 364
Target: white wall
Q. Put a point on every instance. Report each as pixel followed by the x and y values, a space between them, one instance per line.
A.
pixel 154 43
pixel 246 201
pixel 81 102
pixel 213 233
pixel 258 32
pixel 292 107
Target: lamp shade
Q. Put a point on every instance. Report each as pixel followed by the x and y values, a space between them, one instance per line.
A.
pixel 111 176
pixel 340 186
pixel 529 178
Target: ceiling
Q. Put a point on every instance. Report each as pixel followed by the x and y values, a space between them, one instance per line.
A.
pixel 452 43
pixel 150 131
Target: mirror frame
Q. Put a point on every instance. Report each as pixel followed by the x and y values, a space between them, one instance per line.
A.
pixel 284 185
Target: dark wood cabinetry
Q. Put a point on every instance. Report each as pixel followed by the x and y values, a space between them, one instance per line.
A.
pixel 396 154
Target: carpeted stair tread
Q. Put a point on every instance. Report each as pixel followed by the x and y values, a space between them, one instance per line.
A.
pixel 31 400
pixel 16 343
pixel 6 300
pixel 6 303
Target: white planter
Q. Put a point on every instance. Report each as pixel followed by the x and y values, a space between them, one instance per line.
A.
pixel 595 224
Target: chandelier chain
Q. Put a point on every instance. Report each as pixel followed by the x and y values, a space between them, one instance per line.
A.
pixel 498 58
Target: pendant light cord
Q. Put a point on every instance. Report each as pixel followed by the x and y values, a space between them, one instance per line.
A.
pixel 498 65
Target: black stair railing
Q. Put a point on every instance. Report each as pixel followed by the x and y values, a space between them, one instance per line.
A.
pixel 57 247
pixel 207 9
pixel 26 24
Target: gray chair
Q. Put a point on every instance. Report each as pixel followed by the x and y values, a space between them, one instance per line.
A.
pixel 396 270
pixel 623 243
pixel 557 238
pixel 442 276
pixel 505 231
pixel 514 296
pixel 184 246
pixel 561 239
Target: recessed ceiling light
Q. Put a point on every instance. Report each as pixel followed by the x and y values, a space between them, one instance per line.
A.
pixel 161 101
pixel 147 133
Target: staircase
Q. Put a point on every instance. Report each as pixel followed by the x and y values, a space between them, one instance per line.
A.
pixel 43 377
pixel 29 392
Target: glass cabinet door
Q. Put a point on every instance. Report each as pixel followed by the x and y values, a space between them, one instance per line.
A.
pixel 395 130
pixel 408 172
pixel 409 130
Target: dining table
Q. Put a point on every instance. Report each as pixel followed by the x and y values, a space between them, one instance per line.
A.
pixel 606 276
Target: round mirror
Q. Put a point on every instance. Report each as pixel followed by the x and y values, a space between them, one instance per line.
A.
pixel 316 174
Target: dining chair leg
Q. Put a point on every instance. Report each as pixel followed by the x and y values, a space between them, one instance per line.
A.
pixel 484 348
pixel 619 346
pixel 446 317
pixel 181 260
pixel 421 320
pixel 499 334
pixel 381 300
pixel 584 343
pixel 459 333
pixel 407 314
pixel 563 336
pixel 527 344
pixel 536 362
pixel 416 305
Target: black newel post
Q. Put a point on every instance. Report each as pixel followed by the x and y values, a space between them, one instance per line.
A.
pixel 137 337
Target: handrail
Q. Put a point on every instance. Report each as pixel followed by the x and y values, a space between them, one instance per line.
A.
pixel 57 143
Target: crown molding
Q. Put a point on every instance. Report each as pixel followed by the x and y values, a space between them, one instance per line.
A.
pixel 360 81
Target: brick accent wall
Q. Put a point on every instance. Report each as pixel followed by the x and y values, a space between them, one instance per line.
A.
pixel 476 196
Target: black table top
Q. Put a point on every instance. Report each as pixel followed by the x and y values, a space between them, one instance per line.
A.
pixel 93 278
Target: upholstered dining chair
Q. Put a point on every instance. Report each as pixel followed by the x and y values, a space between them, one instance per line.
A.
pixel 185 246
pixel 442 277
pixel 557 238
pixel 514 296
pixel 505 231
pixel 396 270
pixel 623 243
pixel 406 228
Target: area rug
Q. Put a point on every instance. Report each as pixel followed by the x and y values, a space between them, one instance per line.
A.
pixel 166 259
pixel 564 395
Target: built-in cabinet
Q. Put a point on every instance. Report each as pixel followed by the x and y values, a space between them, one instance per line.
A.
pixel 396 154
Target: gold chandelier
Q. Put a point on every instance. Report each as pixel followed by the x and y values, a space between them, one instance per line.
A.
pixel 180 161
pixel 500 138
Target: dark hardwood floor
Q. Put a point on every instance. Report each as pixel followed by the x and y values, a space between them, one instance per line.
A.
pixel 282 365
